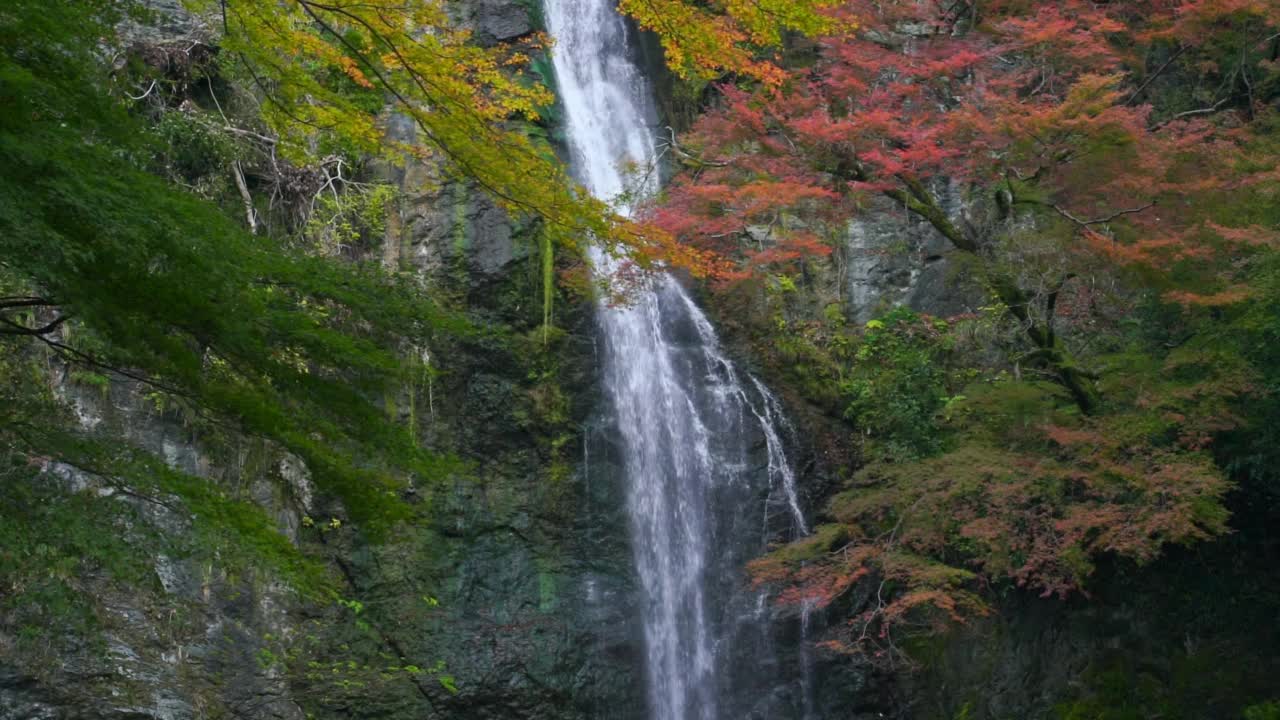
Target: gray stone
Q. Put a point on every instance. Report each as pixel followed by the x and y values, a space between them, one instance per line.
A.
pixel 494 248
pixel 498 21
pixel 893 258
pixel 21 698
pixel 168 21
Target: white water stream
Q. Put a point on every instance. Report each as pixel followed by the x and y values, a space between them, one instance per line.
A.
pixel 682 410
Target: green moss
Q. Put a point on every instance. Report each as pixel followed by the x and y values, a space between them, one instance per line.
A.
pixel 824 539
pixel 1005 409
pixel 547 595
pixel 461 228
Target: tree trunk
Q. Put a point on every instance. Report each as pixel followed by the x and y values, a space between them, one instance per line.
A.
pixel 1048 349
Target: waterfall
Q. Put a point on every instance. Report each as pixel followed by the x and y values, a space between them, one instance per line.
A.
pixel 691 429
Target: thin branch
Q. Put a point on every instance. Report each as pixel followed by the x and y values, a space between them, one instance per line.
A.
pixel 20 329
pixel 144 95
pixel 1137 93
pixel 87 359
pixel 1099 221
pixel 250 214
pixel 1202 111
pixel 251 134
pixel 17 301
pixel 108 478
pixel 675 146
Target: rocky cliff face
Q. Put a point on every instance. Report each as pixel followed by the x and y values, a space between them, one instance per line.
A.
pixel 891 258
pixel 183 641
pixel 509 598
pixel 518 578
pixel 527 555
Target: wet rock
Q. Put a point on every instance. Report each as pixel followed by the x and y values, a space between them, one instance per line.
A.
pixel 493 249
pixel 894 258
pixel 457 225
pixel 22 698
pixel 498 21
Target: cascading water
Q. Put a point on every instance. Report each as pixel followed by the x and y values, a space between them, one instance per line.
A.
pixel 689 427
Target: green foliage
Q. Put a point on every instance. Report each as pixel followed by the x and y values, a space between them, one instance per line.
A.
pixel 823 539
pixel 340 224
pixel 328 70
pixel 813 359
pixel 254 344
pixel 234 530
pixel 236 328
pixel 53 543
pixel 193 149
pixel 1002 412
pixel 899 383
pixel 1263 711
pixel 547 254
pixel 974 473
pixel 79 517
pixel 1252 451
pixel 1180 687
pixel 349 670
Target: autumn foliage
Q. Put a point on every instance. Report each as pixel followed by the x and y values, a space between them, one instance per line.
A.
pixel 707 39
pixel 1036 110
pixel 1003 483
pixel 1090 164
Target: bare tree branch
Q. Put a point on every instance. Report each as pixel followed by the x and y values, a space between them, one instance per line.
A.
pixel 1099 221
pixel 13 328
pixel 1137 93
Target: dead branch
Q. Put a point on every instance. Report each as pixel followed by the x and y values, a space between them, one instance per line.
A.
pixel 1102 220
